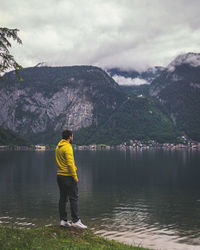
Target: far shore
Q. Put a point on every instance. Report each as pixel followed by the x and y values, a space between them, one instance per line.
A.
pixel 133 145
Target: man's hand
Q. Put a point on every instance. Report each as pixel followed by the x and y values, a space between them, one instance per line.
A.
pixel 76 180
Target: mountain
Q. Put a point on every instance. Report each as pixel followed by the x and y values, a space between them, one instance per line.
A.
pixel 83 98
pixel 178 88
pixel 8 137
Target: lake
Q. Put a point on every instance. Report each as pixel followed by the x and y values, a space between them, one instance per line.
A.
pixel 149 198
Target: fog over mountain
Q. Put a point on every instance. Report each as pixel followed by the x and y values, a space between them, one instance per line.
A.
pixel 190 58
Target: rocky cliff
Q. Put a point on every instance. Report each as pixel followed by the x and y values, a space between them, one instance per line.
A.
pixel 55 98
pixel 41 101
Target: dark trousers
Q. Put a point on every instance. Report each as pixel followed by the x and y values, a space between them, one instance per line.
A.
pixel 68 190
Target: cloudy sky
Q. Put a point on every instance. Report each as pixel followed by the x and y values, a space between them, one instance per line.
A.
pixel 132 34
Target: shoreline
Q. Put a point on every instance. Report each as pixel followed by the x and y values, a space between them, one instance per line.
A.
pixel 95 147
pixel 56 237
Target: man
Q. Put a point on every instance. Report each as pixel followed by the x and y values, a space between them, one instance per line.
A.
pixel 67 181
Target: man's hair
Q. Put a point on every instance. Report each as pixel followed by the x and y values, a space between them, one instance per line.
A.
pixel 66 134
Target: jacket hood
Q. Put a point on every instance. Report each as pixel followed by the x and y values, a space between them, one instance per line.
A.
pixel 62 143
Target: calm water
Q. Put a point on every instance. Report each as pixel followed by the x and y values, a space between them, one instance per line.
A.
pixel 148 198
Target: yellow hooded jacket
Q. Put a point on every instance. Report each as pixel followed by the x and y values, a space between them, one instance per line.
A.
pixel 65 159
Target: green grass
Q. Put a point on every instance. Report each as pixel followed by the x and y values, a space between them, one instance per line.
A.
pixel 55 238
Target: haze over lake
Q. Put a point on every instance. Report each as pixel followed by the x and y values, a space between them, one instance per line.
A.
pixel 150 197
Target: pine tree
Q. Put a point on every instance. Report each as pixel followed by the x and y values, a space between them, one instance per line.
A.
pixel 7 61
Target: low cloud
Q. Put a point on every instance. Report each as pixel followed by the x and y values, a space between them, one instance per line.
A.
pixel 127 81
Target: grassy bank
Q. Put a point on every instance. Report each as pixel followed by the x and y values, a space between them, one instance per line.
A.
pixel 55 237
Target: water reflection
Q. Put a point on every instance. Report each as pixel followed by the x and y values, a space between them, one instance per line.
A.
pixel 143 197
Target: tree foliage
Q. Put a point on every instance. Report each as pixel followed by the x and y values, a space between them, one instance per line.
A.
pixel 7 61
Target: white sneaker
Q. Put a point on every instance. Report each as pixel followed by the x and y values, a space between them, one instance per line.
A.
pixel 79 224
pixel 64 223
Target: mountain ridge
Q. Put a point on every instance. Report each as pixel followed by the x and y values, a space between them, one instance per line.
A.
pixel 81 98
pixel 178 88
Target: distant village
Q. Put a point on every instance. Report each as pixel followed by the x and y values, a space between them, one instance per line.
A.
pixel 138 145
pixel 131 145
